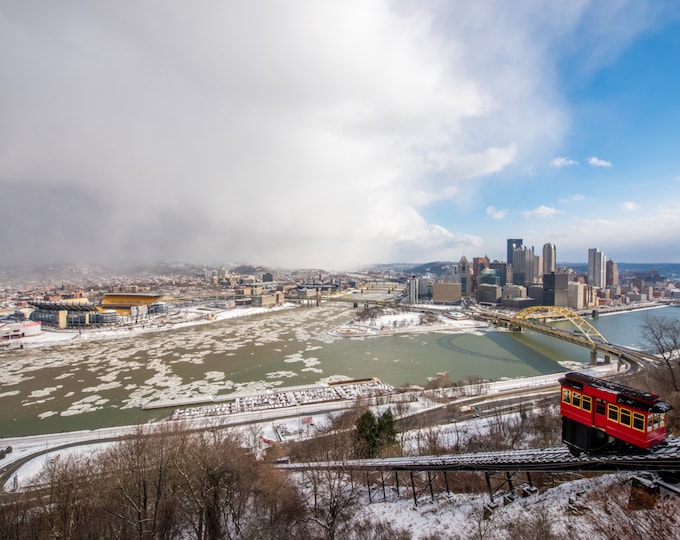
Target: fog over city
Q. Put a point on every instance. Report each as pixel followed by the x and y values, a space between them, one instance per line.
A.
pixel 334 134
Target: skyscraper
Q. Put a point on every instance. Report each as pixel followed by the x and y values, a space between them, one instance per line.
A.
pixel 413 289
pixel 502 269
pixel 549 258
pixel 523 266
pixel 612 274
pixel 555 288
pixel 465 276
pixel 597 268
pixel 513 244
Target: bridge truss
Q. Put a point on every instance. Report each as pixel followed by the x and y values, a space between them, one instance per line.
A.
pixel 581 326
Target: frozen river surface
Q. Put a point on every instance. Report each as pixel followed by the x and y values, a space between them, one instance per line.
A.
pixel 85 384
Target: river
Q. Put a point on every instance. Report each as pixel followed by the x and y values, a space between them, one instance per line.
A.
pixel 104 383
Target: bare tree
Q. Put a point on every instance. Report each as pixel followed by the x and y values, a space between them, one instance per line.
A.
pixel 429 441
pixel 546 425
pixel 16 514
pixel 663 335
pixel 535 523
pixel 278 508
pixel 216 478
pixel 140 490
pixel 330 493
pixel 335 494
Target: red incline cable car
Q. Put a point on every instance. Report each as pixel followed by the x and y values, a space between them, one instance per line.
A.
pixel 603 416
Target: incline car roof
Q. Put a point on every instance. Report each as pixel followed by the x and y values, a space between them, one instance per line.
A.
pixel 646 398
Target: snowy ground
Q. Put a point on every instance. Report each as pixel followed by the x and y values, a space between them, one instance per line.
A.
pixel 576 509
pixel 397 321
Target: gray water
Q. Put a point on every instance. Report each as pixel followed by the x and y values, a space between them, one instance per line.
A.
pixel 96 384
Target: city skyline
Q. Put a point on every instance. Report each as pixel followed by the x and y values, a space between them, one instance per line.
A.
pixel 337 135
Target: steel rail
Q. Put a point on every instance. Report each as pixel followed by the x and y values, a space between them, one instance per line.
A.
pixel 664 457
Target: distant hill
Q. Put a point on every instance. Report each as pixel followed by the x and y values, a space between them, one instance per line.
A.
pixel 667 270
pixel 439 268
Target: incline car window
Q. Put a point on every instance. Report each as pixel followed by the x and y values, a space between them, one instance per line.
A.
pixel 587 403
pixel 625 417
pixel 613 412
pixel 566 395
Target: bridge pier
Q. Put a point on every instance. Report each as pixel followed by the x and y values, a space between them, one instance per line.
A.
pixel 593 357
pixel 607 359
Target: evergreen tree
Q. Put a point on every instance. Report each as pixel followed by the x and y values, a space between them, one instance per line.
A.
pixel 373 434
pixel 387 430
pixel 367 435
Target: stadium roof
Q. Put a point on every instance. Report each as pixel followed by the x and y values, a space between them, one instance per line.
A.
pixel 64 306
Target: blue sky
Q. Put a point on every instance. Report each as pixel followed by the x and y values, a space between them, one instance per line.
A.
pixel 338 134
pixel 623 111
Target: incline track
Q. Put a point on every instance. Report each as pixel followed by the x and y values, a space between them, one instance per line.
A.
pixel 664 457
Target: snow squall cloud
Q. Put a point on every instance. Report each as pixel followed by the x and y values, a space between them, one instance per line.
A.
pixel 316 135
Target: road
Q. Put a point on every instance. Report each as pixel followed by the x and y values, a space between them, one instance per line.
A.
pixel 489 405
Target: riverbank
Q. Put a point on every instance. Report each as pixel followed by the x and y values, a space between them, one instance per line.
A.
pixel 450 319
pixel 425 318
pixel 187 317
pixel 603 311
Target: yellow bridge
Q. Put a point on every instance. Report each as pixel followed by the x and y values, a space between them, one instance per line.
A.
pixel 580 331
pixel 542 314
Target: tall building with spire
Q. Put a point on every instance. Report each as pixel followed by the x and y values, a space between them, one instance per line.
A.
pixel 465 276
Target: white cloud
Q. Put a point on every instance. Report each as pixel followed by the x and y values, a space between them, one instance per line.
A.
pixel 649 237
pixel 496 213
pixel 597 162
pixel 541 212
pixel 560 162
pixel 262 133
pixel 628 206
pixel 572 198
pixel 250 133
